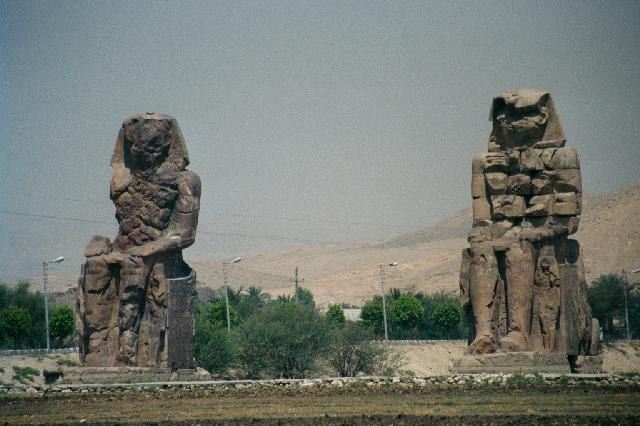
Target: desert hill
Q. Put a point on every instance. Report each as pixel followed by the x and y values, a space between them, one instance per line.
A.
pixel 428 259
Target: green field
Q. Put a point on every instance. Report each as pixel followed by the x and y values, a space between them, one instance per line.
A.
pixel 392 405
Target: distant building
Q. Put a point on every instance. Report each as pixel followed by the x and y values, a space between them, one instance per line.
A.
pixel 352 314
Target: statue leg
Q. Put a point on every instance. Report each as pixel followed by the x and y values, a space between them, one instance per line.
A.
pixel 483 278
pixel 519 289
pixel 132 292
pixel 96 299
pixel 151 343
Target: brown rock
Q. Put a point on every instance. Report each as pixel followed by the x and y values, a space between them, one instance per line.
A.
pixel 543 182
pixel 531 160
pixel 568 180
pixel 507 206
pixel 519 184
pixel 496 183
pixel 481 209
pixel 565 158
pixel 540 205
pixel 566 204
pixel 477 186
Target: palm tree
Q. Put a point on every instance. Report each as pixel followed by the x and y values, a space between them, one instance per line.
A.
pixel 256 296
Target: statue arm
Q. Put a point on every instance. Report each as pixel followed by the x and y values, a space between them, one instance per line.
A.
pixel 181 232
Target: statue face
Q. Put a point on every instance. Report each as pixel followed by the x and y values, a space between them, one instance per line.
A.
pixel 148 141
pixel 518 127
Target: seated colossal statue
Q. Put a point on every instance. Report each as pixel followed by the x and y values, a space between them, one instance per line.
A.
pixel 135 295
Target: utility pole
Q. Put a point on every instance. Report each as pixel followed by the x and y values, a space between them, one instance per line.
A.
pixel 226 294
pixel 45 281
pixel 384 303
pixel 225 280
pixel 46 304
pixel 296 285
pixel 625 285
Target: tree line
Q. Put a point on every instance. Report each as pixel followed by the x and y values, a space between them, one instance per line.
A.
pixel 22 319
pixel 287 336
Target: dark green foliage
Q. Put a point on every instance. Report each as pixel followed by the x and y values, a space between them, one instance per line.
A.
pixel 446 318
pixel 410 316
pixel 252 301
pixel 215 312
pixel 305 297
pixel 213 347
pixel 335 316
pixel 16 323
pixel 372 315
pixel 62 323
pixel 284 340
pixel 428 327
pixel 405 312
pixel 353 350
pixel 33 302
pixel 606 298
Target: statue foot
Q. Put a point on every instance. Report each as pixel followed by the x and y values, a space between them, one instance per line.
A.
pixel 481 345
pixel 514 341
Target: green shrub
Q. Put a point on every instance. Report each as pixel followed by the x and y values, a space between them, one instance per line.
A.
pixel 405 313
pixel 33 302
pixel 284 339
pixel 372 315
pixel 352 350
pixel 63 322
pixel 16 323
pixel 446 318
pixel 213 347
pixel 335 316
pixel 24 374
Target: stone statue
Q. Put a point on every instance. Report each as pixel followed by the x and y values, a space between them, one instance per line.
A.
pixel 136 296
pixel 522 280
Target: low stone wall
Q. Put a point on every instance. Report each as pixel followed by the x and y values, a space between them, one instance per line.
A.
pixel 458 381
pixel 16 352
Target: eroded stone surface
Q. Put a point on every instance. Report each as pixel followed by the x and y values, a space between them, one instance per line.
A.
pixel 522 280
pixel 136 296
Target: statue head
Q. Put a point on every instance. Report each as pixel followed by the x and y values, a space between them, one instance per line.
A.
pixel 150 143
pixel 523 118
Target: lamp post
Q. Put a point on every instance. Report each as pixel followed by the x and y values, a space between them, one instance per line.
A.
pixel 226 289
pixel 627 287
pixel 384 303
pixel 46 303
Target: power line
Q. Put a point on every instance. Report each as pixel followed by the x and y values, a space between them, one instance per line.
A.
pixel 239 215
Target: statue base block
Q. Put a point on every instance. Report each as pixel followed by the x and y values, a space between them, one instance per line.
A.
pixel 586 364
pixel 512 363
pixel 78 375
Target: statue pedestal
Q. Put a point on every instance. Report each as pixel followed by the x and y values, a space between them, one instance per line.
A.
pixel 513 363
pixel 105 375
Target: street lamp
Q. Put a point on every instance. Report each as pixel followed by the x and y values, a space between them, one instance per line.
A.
pixel 628 287
pixel 384 303
pixel 226 288
pixel 45 263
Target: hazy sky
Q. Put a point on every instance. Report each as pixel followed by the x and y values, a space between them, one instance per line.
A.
pixel 308 122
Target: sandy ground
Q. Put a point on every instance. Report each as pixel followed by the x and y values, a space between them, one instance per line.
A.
pixel 10 364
